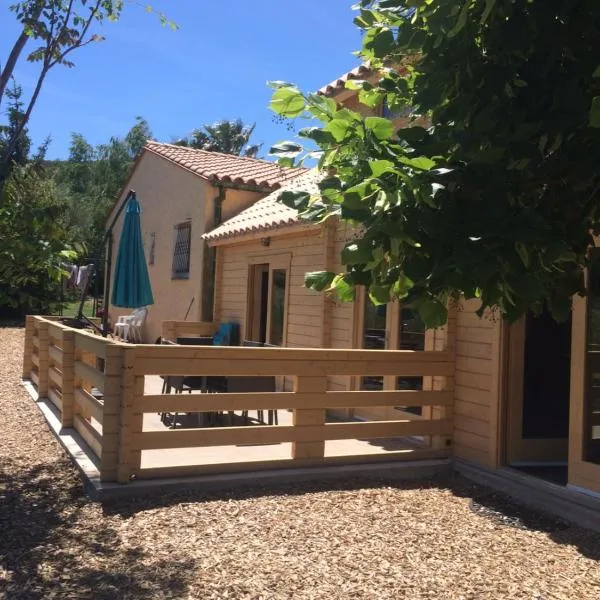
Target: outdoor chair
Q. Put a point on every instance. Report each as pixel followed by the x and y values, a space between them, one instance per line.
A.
pixel 255 384
pixel 129 327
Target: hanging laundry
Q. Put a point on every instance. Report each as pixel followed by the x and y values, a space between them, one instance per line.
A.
pixel 83 276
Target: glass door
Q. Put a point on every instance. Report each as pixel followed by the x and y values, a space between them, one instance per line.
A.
pixel 539 369
pixel 267 304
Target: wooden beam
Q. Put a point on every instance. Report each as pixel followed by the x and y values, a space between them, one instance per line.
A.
pixel 90 435
pixel 256 364
pixel 55 330
pixel 68 378
pixel 43 358
pixel 28 346
pixel 175 329
pixel 89 404
pixel 55 397
pixel 288 400
pixel 93 344
pixel 55 376
pixel 268 434
pixel 56 355
pixel 34 378
pixel 266 465
pixel 309 417
pixel 88 373
pixel 291 354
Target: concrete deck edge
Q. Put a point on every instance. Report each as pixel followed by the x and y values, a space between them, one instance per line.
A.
pixel 75 446
pixel 82 456
pixel 562 501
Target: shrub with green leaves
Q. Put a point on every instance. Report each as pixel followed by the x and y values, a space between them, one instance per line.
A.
pixel 34 243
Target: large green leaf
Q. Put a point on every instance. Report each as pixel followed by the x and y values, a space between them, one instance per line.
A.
pixel 287 102
pixel 433 313
pixel 318 280
pixel 338 128
pixel 381 128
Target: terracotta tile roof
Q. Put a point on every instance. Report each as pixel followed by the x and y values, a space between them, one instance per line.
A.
pixel 268 213
pixel 227 168
pixel 339 84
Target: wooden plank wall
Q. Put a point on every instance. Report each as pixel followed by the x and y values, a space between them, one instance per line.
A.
pixel 476 384
pixel 304 306
pixel 342 313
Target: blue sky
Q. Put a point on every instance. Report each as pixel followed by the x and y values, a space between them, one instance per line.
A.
pixel 215 66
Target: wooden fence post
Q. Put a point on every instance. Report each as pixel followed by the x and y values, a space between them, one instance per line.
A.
pixel 309 417
pixel 447 343
pixel 44 339
pixel 28 346
pixel 68 377
pixel 111 412
pixel 131 422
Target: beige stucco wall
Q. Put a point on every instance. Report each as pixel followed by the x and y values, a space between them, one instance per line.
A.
pixel 169 195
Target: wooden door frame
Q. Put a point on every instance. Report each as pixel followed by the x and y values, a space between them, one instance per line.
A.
pixel 515 449
pixel 274 261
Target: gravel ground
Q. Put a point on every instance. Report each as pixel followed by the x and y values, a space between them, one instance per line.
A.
pixel 375 540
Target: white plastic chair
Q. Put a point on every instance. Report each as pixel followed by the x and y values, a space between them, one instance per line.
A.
pixel 122 326
pixel 132 329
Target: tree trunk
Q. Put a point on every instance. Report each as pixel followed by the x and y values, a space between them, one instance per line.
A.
pixel 13 57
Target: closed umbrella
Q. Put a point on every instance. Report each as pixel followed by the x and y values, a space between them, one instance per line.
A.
pixel 131 284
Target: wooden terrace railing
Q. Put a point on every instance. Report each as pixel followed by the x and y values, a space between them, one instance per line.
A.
pixel 70 367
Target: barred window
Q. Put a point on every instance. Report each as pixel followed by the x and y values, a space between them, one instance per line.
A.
pixel 181 251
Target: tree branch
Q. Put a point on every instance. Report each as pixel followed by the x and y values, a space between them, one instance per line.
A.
pixel 81 43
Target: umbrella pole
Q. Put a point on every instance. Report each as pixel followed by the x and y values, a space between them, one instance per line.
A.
pixel 108 239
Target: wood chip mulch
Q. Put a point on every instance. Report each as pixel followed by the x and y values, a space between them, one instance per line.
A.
pixel 373 540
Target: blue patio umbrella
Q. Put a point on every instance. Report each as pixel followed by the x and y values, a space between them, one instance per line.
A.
pixel 131 284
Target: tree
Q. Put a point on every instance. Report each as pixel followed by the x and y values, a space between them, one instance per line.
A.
pixel 229 137
pixel 12 134
pixel 58 27
pixel 35 242
pixel 496 196
pixel 92 177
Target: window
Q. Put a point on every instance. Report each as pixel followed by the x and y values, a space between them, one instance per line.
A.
pixel 152 248
pixel 181 251
pixel 411 336
pixel 392 326
pixel 374 338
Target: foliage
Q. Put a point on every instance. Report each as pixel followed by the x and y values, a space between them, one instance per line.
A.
pixel 9 134
pixel 57 28
pixel 91 179
pixel 229 137
pixel 34 242
pixel 490 187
